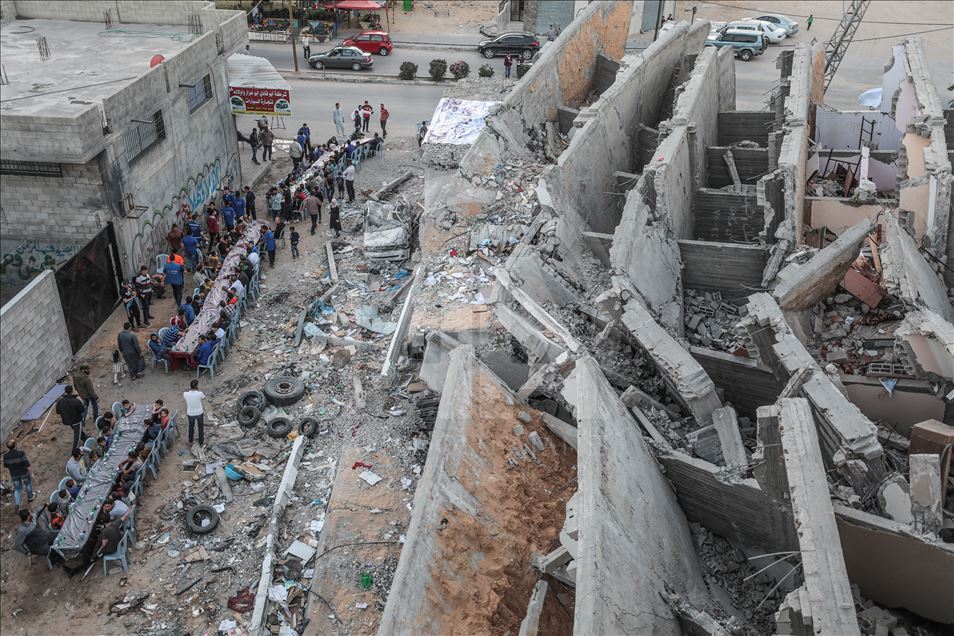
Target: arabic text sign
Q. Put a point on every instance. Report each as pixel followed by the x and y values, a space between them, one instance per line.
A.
pixel 259 101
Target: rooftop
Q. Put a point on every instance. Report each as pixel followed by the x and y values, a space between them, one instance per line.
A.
pixel 87 64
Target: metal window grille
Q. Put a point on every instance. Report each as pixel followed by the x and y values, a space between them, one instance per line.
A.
pixel 142 137
pixel 31 168
pixel 199 94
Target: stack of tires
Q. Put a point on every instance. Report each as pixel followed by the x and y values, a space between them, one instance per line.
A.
pixel 279 391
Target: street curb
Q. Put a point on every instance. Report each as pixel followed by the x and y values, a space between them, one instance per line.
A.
pixel 435 45
pixel 358 79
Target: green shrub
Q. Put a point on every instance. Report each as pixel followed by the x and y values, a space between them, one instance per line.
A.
pixel 522 69
pixel 486 71
pixel 408 70
pixel 438 69
pixel 460 69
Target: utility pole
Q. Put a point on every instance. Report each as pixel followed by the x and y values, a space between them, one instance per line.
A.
pixel 291 31
pixel 659 15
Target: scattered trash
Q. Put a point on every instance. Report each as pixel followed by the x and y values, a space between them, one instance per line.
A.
pixel 370 477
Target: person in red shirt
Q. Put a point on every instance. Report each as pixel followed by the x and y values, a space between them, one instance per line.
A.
pixel 174 237
pixel 212 223
pixel 366 111
pixel 175 257
pixel 384 122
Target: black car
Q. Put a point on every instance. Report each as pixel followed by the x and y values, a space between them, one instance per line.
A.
pixel 525 44
pixel 342 57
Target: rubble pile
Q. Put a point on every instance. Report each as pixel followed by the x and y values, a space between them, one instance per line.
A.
pixel 859 339
pixel 711 322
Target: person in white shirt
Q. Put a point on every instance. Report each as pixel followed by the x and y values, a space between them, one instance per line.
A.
pixel 306 46
pixel 348 175
pixel 116 507
pixel 237 286
pixel 338 117
pixel 193 399
pixel 254 260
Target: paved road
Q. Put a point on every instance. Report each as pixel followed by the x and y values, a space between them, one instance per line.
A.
pixel 281 58
pixel 312 102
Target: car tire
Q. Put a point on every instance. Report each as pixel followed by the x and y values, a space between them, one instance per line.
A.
pixel 313 65
pixel 308 427
pixel 252 398
pixel 279 426
pixel 202 511
pixel 489 53
pixel 284 390
pixel 383 51
pixel 317 66
pixel 355 67
pixel 526 54
pixel 745 55
pixel 249 417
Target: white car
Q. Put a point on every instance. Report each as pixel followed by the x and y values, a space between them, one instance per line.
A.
pixel 779 20
pixel 771 32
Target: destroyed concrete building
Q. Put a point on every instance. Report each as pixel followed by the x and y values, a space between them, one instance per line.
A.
pixel 736 321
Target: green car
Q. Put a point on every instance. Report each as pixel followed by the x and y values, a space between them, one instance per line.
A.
pixel 747 44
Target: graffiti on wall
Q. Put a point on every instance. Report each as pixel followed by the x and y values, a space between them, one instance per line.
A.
pixel 150 238
pixel 30 258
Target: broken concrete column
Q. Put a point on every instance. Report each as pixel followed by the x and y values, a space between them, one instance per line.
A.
pixel 684 376
pixel 894 497
pixel 831 607
pixel 531 623
pixel 727 426
pixel 629 520
pixel 436 358
pixel 926 492
pixel 804 286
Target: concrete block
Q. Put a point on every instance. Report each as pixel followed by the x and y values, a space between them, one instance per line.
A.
pixel 727 427
pixel 926 492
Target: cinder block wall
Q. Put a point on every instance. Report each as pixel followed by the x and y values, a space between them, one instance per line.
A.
pixel 34 347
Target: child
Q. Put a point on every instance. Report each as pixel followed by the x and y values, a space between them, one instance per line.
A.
pixel 295 237
pixel 119 369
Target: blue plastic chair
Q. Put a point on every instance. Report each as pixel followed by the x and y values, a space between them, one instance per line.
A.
pixel 161 262
pixel 220 350
pixel 136 487
pixel 152 464
pixel 117 409
pixel 119 555
pixel 62 484
pixel 157 361
pixel 210 365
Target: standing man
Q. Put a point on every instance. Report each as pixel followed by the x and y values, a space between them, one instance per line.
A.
pixel 228 214
pixel 250 202
pixel 253 142
pixel 267 138
pixel 70 409
pixel 356 120
pixel 366 111
pixel 349 180
pixel 808 22
pixel 84 388
pixel 143 284
pixel 338 117
pixel 335 217
pixel 295 151
pixel 312 205
pixel 508 63
pixel 305 132
pixel 551 33
pixel 212 223
pixel 384 122
pixel 196 414
pixel 174 237
pixel 191 244
pixel 269 240
pixel 128 345
pixel 421 134
pixel 306 46
pixel 238 202
pixel 19 466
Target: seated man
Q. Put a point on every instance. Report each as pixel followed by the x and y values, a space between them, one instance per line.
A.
pixel 110 537
pixel 128 467
pixel 116 508
pixel 376 143
pixel 128 407
pixel 32 539
pixel 188 310
pixel 219 330
pixel 106 420
pixel 63 500
pixel 75 467
pixel 170 338
pixel 152 432
pixel 179 321
pixel 237 286
pixel 155 345
pixel 72 487
pixel 205 350
pixel 49 517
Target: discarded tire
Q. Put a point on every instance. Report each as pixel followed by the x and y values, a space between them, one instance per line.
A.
pixel 252 398
pixel 198 514
pixel 249 416
pixel 308 427
pixel 279 426
pixel 284 390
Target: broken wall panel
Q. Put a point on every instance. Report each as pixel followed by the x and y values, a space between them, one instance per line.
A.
pixel 735 270
pixel 634 540
pixel 908 275
pixel 745 125
pixel 841 130
pixel 727 217
pixel 839 214
pixel 582 184
pixel 896 568
pixel 743 381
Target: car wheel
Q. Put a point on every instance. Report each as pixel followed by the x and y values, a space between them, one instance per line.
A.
pixel 197 514
pixel 355 67
pixel 249 416
pixel 279 426
pixel 312 65
pixel 252 398
pixel 318 66
pixel 745 55
pixel 383 51
pixel 526 54
pixel 284 390
pixel 308 427
pixel 489 53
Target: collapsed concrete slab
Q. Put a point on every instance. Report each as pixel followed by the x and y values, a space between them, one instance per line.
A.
pixel 634 541
pixel 686 379
pixel 908 276
pixel 804 286
pixel 468 503
pixel 928 341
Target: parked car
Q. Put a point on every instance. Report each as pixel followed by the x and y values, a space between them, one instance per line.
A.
pixel 747 44
pixel 772 32
pixel 790 25
pixel 372 42
pixel 524 44
pixel 342 57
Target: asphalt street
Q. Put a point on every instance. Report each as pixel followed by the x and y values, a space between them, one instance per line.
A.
pixel 313 101
pixel 280 56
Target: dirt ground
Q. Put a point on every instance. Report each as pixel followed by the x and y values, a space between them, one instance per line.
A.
pixel 34 600
pixel 443 16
